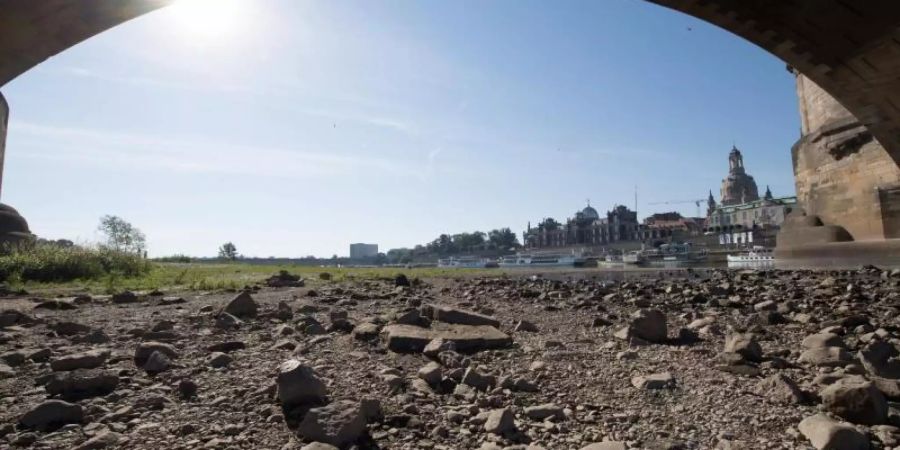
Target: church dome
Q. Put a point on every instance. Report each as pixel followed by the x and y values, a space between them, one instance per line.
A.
pixel 590 213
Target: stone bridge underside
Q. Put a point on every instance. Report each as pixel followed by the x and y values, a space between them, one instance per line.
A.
pixel 850 48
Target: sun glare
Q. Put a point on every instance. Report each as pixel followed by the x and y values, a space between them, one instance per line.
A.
pixel 209 19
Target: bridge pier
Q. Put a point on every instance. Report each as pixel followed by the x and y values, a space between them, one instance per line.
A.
pixel 13 227
pixel 848 187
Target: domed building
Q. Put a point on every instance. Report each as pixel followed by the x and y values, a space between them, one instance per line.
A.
pixel 738 187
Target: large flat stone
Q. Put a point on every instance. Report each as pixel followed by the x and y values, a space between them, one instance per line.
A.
pixel 409 338
pixel 459 316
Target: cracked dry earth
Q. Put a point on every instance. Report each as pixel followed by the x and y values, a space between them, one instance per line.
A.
pixel 726 359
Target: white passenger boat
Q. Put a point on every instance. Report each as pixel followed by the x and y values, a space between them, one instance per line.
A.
pixel 464 262
pixel 542 260
pixel 756 255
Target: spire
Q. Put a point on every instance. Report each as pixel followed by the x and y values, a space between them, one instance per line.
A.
pixel 768 193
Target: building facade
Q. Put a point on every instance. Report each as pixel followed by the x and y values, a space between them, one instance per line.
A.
pixel 587 228
pixel 742 215
pixel 360 251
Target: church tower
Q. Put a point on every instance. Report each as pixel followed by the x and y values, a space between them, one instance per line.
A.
pixel 738 187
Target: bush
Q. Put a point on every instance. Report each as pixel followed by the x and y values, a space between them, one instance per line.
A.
pixel 174 259
pixel 52 263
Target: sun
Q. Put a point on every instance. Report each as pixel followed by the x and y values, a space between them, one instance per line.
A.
pixel 208 19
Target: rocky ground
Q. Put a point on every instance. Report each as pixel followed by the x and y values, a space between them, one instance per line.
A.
pixel 724 359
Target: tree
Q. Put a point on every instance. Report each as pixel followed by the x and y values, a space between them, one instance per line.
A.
pixel 228 251
pixel 503 238
pixel 121 235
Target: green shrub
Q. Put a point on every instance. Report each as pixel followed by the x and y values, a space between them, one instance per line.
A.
pixel 52 263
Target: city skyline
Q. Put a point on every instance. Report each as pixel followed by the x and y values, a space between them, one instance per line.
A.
pixel 297 127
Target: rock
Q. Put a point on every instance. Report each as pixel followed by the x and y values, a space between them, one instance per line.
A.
pixel 42 355
pixel 6 371
pixel 51 415
pixel 438 345
pixel 187 389
pixel 11 317
pixel 646 324
pixel 82 383
pixel 607 445
pixel 655 381
pixel 242 306
pixel 856 400
pixel 820 340
pixel 283 311
pixel 103 440
pixel 66 328
pixel 478 381
pixel 13 358
pixel 157 362
pixel 826 357
pixel 781 389
pixel 284 279
pixel 431 373
pixel 227 321
pixel 545 411
pixel 401 280
pixel 145 349
pixel 227 346
pixel 447 314
pixel 407 338
pixel 526 326
pixel 298 385
pixel 56 304
pixel 500 421
pixel 744 345
pixel 86 360
pixel 124 297
pixel 826 434
pixel 319 446
pixel 340 424
pixel 219 359
pixel 366 331
pixel 881 359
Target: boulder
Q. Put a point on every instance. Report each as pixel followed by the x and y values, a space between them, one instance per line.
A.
pixel 500 421
pixel 157 362
pixel 339 424
pixel 219 359
pixel 856 400
pixel 366 331
pixel 827 434
pixel 227 321
pixel 298 385
pixel 820 340
pixel 51 415
pixel 526 326
pixel 106 439
pixel 145 349
pixel 124 297
pixel 647 325
pixel 781 389
pixel 66 328
pixel 881 359
pixel 466 338
pixel 744 345
pixel 655 381
pixel 826 357
pixel 82 383
pixel 431 373
pixel 86 360
pixel 545 411
pixel 242 306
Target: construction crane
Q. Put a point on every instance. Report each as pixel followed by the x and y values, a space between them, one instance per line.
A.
pixel 697 202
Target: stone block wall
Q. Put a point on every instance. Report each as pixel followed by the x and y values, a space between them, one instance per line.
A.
pixel 842 174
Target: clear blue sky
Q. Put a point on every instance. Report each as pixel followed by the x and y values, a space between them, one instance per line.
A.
pixel 297 127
